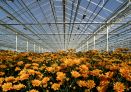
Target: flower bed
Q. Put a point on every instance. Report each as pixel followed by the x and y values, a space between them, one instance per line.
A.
pixel 90 71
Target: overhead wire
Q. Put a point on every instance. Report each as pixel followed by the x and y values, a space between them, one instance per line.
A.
pixel 77 8
pixel 64 25
pixel 89 18
pixel 72 9
pixel 110 18
pixel 48 21
pixel 34 18
pixel 54 15
pixel 16 18
pixel 83 14
pixel 93 19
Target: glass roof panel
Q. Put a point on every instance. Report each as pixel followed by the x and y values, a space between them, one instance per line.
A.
pixel 61 21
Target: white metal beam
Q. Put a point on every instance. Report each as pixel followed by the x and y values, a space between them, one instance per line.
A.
pixel 94 42
pixel 87 45
pixel 34 47
pixel 27 45
pixel 16 45
pixel 107 40
pixel 39 49
pixel 100 5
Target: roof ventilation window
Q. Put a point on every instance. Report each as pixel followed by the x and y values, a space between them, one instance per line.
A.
pixel 11 0
pixel 9 18
pixel 37 0
pixel 83 16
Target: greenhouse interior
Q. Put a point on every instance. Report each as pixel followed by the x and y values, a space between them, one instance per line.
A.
pixel 65 46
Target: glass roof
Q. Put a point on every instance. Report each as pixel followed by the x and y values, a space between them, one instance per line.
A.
pixel 59 24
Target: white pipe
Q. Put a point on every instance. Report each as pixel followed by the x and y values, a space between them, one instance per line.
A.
pixel 27 45
pixel 34 47
pixel 42 50
pixel 39 49
pixel 107 41
pixel 16 42
pixel 87 45
pixel 94 42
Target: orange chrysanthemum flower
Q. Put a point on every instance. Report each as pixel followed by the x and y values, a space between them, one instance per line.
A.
pixel 9 79
pixel 68 62
pixel 90 84
pixel 58 68
pixel 45 80
pixel 42 67
pixel 20 63
pixel 108 75
pixel 24 71
pixel 30 58
pixel 82 83
pixel 50 69
pixel 1 81
pixel 101 88
pixel 126 73
pixel 17 69
pixel 18 87
pixel 95 72
pixel 38 73
pixel 7 86
pixel 104 83
pixel 84 68
pixel 31 72
pixel 40 76
pixel 16 79
pixel 84 74
pixel 2 73
pixel 27 65
pixel 75 74
pixel 76 61
pixel 36 82
pixel 60 76
pixel 3 66
pixel 24 76
pixel 55 86
pixel 33 90
pixel 119 87
pixel 35 64
pixel 35 67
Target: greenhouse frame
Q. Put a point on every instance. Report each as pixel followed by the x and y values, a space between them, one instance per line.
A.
pixel 65 45
pixel 51 25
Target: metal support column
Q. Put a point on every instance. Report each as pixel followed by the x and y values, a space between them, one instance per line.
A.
pixel 107 40
pixel 16 43
pixel 87 46
pixel 34 47
pixel 39 49
pixel 80 48
pixel 27 45
pixel 94 42
pixel 42 50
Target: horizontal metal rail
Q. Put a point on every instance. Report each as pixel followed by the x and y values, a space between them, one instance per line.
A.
pixel 69 34
pixel 64 23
